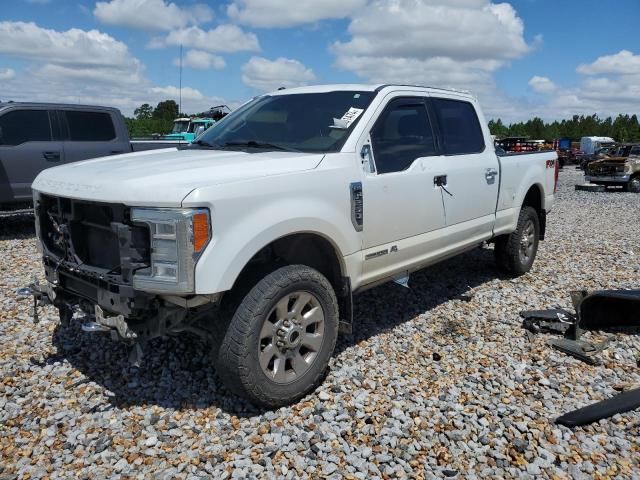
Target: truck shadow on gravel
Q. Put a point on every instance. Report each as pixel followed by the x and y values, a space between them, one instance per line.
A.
pixel 13 227
pixel 177 372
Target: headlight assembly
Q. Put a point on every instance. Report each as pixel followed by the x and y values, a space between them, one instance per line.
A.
pixel 178 238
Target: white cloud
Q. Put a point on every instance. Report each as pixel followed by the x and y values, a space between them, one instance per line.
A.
pixel 435 42
pixel 542 84
pixel 622 63
pixel 78 66
pixel 150 14
pixel 223 38
pixel 267 75
pixel 73 48
pixel 201 60
pixel 7 73
pixel 281 13
pixel 174 92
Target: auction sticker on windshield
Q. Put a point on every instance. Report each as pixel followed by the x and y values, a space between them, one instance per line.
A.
pixel 348 118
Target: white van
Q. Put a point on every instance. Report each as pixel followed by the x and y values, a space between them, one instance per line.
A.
pixel 589 145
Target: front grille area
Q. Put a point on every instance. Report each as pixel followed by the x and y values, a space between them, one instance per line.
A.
pixel 92 236
pixel 606 170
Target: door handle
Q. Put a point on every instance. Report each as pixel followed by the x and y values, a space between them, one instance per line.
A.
pixel 490 175
pixel 440 181
pixel 51 156
pixel 116 152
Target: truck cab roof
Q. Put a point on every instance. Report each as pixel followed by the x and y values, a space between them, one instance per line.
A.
pixel 363 87
pixel 53 106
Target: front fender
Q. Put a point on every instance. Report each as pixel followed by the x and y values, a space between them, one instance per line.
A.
pixel 246 222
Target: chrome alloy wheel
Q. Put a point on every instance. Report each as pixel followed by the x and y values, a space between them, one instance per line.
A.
pixel 291 337
pixel 527 242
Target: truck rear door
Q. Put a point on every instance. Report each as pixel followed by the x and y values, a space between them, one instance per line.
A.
pixel 26 148
pixel 91 134
pixel 472 171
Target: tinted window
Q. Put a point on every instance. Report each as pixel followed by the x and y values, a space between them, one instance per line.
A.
pixel 459 127
pixel 90 126
pixel 401 134
pixel 20 126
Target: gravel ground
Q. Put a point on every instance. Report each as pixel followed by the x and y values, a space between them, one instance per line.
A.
pixel 438 381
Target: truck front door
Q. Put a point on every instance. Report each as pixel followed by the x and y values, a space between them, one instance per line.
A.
pixel 26 148
pixel 401 204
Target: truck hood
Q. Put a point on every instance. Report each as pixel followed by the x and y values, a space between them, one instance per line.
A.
pixel 164 177
pixel 605 160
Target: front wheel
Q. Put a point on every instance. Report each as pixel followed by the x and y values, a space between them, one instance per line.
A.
pixel 634 185
pixel 281 338
pixel 516 252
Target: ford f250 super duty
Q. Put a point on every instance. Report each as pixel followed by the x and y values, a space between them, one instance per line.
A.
pixel 257 235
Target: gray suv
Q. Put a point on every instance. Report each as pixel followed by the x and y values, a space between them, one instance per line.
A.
pixel 36 136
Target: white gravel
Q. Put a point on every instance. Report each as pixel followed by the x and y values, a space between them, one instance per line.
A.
pixel 71 407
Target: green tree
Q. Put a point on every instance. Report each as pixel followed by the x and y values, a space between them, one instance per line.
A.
pixel 166 110
pixel 497 128
pixel 144 111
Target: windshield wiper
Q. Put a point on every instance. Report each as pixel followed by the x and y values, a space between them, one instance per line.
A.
pixel 204 143
pixel 254 144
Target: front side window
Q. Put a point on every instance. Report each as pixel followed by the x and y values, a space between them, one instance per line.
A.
pixel 304 122
pixel 459 127
pixel 90 126
pixel 21 126
pixel 401 135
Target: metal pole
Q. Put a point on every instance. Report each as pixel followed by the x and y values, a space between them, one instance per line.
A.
pixel 180 100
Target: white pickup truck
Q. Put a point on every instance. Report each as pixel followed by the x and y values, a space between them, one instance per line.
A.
pixel 257 236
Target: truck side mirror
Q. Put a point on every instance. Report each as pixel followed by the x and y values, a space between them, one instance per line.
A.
pixel 367 158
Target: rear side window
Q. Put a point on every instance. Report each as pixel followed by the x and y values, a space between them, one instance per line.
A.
pixel 401 135
pixel 90 126
pixel 21 126
pixel 459 127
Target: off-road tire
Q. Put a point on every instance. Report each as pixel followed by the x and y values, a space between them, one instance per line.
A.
pixel 508 247
pixel 633 185
pixel 237 362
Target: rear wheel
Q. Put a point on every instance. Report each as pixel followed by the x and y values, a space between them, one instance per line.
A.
pixel 516 252
pixel 634 185
pixel 280 339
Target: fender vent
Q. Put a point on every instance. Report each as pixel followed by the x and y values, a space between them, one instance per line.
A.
pixel 357 207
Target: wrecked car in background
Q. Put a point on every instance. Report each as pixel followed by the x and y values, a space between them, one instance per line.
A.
pixel 620 168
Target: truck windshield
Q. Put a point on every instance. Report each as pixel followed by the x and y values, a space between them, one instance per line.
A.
pixel 180 127
pixel 304 122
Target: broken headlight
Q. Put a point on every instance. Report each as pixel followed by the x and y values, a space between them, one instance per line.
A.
pixel 178 238
pixel 631 163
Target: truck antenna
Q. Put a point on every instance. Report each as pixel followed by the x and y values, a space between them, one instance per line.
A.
pixel 180 89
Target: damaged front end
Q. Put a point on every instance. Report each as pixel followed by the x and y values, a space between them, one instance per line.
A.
pixel 126 271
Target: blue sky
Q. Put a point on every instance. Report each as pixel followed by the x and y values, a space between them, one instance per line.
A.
pixel 523 58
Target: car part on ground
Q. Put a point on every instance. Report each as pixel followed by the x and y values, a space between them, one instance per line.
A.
pixel 598 310
pixel 621 403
